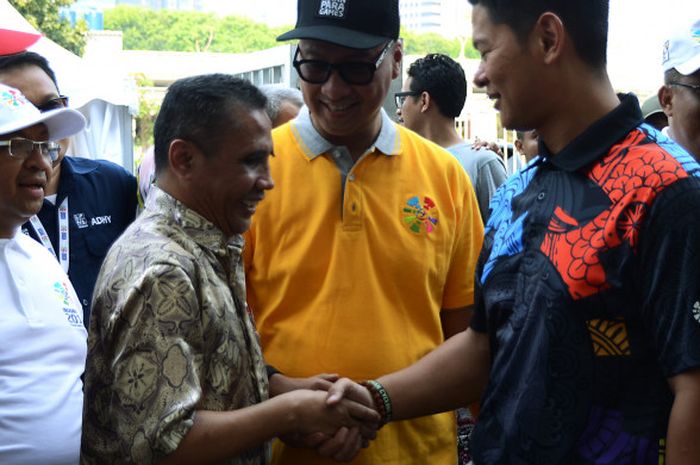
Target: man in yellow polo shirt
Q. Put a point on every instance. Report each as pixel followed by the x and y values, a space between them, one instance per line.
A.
pixel 362 260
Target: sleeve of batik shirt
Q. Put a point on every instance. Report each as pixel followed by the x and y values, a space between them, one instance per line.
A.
pixel 153 354
pixel 459 287
pixel 669 276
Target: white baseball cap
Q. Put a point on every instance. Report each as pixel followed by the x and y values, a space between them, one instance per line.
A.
pixel 682 51
pixel 17 113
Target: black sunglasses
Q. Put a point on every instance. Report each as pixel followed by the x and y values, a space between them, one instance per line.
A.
pixel 353 72
pixel 400 97
pixel 54 104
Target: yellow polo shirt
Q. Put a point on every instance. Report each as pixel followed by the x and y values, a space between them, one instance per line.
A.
pixel 348 266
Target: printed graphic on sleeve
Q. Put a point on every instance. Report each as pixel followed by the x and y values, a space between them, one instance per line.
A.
pixel 420 215
pixel 632 182
pixel 609 337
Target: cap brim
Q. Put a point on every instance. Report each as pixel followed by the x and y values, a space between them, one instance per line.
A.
pixel 335 35
pixel 12 42
pixel 61 123
pixel 690 66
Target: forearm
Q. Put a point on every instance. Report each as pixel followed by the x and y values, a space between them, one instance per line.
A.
pixel 452 376
pixel 217 436
pixel 682 446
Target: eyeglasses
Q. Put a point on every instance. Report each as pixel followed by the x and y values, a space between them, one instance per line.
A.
pixel 23 148
pixel 353 72
pixel 54 104
pixel 694 88
pixel 400 97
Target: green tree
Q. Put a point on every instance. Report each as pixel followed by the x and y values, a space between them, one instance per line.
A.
pixel 422 44
pixel 146 118
pixel 181 31
pixel 44 16
pixel 164 30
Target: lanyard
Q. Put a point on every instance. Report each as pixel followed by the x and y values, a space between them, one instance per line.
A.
pixel 63 235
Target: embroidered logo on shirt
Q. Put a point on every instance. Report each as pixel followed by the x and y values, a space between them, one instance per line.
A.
pixel 696 311
pixel 80 220
pixel 69 308
pixel 332 9
pixel 420 215
pixel 100 220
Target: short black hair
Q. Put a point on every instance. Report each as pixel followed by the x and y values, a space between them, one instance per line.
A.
pixel 10 62
pixel 586 21
pixel 200 109
pixel 443 78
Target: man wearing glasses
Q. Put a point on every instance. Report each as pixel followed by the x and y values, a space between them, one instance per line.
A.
pixel 680 94
pixel 362 259
pixel 88 203
pixel 41 327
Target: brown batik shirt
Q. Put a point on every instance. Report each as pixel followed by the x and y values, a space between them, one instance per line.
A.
pixel 170 334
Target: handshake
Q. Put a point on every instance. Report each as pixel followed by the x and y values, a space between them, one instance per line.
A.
pixel 336 417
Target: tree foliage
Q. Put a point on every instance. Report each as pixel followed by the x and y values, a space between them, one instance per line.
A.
pixel 186 31
pixel 182 31
pixel 421 44
pixel 44 16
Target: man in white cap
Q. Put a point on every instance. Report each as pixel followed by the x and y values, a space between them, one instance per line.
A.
pixel 41 326
pixel 680 94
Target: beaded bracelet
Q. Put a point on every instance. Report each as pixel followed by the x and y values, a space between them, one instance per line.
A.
pixel 381 399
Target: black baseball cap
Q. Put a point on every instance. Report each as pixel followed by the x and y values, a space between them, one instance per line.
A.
pixel 360 24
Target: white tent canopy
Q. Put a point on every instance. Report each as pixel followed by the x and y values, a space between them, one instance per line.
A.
pixel 106 97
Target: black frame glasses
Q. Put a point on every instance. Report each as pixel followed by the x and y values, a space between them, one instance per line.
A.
pixel 53 104
pixel 400 97
pixel 694 88
pixel 358 73
pixel 22 149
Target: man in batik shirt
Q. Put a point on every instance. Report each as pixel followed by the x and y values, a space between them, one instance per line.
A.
pixel 175 373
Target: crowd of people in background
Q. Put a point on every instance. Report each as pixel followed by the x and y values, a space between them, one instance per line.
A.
pixel 296 278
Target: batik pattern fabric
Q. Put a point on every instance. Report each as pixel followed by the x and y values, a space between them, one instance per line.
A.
pixel 588 288
pixel 170 335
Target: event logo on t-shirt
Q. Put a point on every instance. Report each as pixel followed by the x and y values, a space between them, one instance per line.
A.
pixel 69 307
pixel 696 311
pixel 420 215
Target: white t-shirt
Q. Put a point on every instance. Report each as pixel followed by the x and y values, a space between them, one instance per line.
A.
pixel 41 359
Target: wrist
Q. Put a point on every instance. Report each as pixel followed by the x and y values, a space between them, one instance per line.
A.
pixel 381 399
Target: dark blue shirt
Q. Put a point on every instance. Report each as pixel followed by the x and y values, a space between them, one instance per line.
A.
pixel 101 204
pixel 588 286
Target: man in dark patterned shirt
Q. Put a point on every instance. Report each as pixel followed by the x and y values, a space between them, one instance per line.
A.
pixel 585 342
pixel 175 373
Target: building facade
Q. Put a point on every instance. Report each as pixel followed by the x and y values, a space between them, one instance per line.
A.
pixel 445 17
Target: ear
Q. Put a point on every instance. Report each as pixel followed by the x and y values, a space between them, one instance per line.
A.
pixel 181 157
pixel 518 145
pixel 549 35
pixel 426 102
pixel 397 57
pixel 665 94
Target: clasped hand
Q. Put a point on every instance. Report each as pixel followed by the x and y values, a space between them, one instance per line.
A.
pixel 336 426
